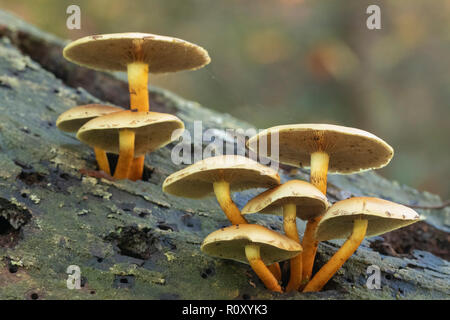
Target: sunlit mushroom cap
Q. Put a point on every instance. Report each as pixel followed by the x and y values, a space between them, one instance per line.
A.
pixel 382 215
pixel 153 130
pixel 73 119
pixel 310 202
pixel 351 150
pixel 230 242
pixel 115 51
pixel 196 180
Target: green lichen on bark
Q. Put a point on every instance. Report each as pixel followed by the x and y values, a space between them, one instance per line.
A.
pixel 130 239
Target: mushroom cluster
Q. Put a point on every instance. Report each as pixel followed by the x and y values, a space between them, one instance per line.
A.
pixel 132 133
pixel 323 148
pixel 135 132
pixel 326 148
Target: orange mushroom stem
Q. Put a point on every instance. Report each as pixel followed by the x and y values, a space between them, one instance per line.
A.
pixel 222 191
pixel 309 245
pixel 138 88
pixel 252 253
pixel 102 160
pixel 137 169
pixel 290 228
pixel 319 170
pixel 126 154
pixel 339 258
pixel 276 270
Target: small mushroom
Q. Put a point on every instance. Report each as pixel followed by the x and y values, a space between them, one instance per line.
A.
pixel 252 244
pixel 297 199
pixel 73 119
pixel 354 219
pixel 130 134
pixel 325 148
pixel 137 54
pixel 219 174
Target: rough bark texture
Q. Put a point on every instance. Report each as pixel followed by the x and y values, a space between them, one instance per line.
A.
pixel 130 239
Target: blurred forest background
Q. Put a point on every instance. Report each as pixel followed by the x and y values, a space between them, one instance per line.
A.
pixel 297 61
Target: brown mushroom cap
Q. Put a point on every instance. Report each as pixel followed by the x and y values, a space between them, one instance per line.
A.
pixel 351 150
pixel 383 216
pixel 73 119
pixel 230 242
pixel 310 202
pixel 113 52
pixel 153 130
pixel 196 180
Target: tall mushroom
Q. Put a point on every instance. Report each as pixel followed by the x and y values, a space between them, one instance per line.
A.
pixel 137 54
pixel 73 119
pixel 130 134
pixel 297 199
pixel 252 244
pixel 354 219
pixel 324 148
pixel 220 175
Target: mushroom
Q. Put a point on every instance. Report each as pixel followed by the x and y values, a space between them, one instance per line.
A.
pixel 138 54
pixel 296 199
pixel 252 244
pixel 130 134
pixel 354 219
pixel 220 174
pixel 73 119
pixel 325 148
